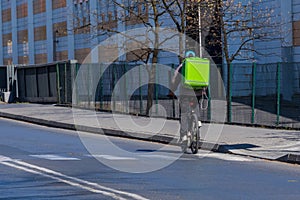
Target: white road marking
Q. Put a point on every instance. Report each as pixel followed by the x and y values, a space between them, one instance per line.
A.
pixel 76 182
pixel 201 154
pixel 111 157
pixel 226 157
pixel 139 157
pixel 165 157
pixel 4 159
pixel 54 157
pixel 62 180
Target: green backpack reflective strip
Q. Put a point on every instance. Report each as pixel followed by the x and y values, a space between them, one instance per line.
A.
pixel 196 72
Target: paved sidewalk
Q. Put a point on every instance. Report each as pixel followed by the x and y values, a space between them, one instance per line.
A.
pixel 271 144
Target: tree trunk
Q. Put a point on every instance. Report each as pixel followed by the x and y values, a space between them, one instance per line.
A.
pixel 152 82
pixel 151 89
pixel 152 75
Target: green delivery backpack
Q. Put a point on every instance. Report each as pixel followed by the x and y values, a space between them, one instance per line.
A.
pixel 196 72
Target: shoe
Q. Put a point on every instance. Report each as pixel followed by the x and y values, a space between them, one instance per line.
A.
pixel 183 139
pixel 199 124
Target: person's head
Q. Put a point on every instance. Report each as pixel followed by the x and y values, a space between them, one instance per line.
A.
pixel 189 54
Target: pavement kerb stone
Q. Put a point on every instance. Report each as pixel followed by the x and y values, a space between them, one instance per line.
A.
pixel 110 132
pixel 288 158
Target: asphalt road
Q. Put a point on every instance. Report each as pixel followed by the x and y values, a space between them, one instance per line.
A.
pixel 44 163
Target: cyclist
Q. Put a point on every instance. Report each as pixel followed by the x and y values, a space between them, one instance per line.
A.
pixel 186 96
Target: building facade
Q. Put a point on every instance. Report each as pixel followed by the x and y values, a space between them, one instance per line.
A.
pixel 27 29
pixel 286 47
pixel 41 31
pixel 46 31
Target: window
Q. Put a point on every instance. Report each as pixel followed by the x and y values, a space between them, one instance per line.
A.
pixel 40 33
pixel 6 15
pixel 9 47
pixel 80 54
pixel 60 29
pixel 296 33
pixel 25 48
pixel 6 37
pixel 22 35
pixel 40 58
pixel 82 17
pixel 39 6
pixel 22 11
pixel 58 4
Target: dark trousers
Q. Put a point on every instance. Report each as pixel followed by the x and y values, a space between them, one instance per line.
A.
pixel 185 111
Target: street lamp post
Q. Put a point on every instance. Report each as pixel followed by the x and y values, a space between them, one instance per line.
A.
pixel 200 32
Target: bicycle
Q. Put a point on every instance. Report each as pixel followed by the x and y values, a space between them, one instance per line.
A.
pixel 193 135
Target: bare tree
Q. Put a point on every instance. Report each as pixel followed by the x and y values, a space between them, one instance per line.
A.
pixel 227 29
pixel 235 27
pixel 137 13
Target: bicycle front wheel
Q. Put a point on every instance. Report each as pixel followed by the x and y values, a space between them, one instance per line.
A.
pixel 195 134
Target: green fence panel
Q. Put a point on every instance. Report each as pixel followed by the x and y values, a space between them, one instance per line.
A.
pixel 262 94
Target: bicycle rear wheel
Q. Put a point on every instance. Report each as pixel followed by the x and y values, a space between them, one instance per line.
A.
pixel 195 134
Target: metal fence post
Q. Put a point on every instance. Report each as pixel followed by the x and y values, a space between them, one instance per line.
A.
pixel 66 83
pixel 101 86
pixel 140 91
pixel 17 83
pixel 229 108
pixel 75 83
pixel 278 93
pixel 7 79
pixel 25 84
pixel 156 88
pixel 37 82
pixel 173 98
pixel 48 81
pixel 209 105
pixel 113 86
pixel 127 110
pixel 253 92
pixel 58 83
